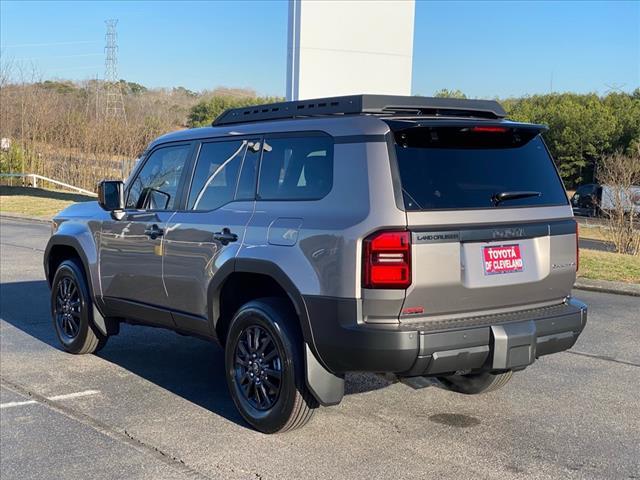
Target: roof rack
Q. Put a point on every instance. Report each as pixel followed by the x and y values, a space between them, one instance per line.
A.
pixel 358 104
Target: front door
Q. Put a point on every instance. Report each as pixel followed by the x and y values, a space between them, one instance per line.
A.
pixel 202 238
pixel 131 248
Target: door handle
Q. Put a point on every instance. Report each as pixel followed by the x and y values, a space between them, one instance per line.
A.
pixel 154 232
pixel 225 236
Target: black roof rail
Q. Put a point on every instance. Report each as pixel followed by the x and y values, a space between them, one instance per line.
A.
pixel 357 104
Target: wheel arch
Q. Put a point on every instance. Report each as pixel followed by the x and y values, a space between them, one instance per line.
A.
pixel 325 386
pixel 63 246
pixel 271 276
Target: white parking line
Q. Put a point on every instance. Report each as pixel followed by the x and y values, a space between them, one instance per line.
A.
pixel 16 404
pixel 54 398
pixel 74 395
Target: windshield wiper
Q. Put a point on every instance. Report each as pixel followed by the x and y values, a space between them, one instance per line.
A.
pixel 498 198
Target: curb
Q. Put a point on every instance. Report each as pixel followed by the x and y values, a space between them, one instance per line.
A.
pixel 605 286
pixel 17 216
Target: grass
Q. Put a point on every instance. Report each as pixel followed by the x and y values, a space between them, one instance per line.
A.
pixel 609 266
pixel 593 233
pixel 36 202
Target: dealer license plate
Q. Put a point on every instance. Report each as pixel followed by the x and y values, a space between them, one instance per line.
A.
pixel 502 259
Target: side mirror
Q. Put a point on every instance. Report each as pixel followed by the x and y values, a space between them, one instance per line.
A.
pixel 111 195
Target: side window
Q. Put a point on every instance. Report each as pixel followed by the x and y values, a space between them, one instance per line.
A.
pixel 216 176
pixel 296 168
pixel 156 185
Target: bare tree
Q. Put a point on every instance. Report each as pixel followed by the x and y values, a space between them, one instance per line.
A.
pixel 55 132
pixel 6 67
pixel 619 175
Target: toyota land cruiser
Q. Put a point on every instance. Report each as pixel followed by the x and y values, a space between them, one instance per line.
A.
pixel 403 235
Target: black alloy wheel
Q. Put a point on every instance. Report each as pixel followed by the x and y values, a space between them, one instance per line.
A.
pixel 258 367
pixel 265 366
pixel 67 309
pixel 72 310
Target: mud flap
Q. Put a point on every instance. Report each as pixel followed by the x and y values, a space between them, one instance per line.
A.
pixel 99 322
pixel 326 387
pixel 106 326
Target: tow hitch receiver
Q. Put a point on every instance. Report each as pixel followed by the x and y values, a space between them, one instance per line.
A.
pixel 514 346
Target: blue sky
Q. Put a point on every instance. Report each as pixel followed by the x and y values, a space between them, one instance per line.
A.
pixel 485 49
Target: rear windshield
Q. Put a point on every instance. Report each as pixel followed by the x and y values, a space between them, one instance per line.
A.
pixel 465 168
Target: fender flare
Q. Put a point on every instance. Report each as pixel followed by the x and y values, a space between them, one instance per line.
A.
pixel 262 267
pixel 67 241
pixel 325 386
pixel 71 241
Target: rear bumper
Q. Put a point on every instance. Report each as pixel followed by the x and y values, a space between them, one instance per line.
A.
pixel 498 342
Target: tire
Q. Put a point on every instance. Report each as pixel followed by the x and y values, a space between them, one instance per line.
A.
pixel 72 310
pixel 475 383
pixel 270 393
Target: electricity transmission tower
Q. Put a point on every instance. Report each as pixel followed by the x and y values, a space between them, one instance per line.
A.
pixel 114 103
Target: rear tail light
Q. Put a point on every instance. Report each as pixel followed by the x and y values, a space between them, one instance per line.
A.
pixel 387 260
pixel 577 247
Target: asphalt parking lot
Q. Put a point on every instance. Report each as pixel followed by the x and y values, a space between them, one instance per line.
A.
pixel 153 404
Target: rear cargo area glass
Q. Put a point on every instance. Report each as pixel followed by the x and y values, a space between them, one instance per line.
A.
pixel 459 168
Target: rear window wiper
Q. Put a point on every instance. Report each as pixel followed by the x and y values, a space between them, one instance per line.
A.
pixel 498 198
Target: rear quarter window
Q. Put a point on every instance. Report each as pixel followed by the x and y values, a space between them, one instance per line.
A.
pixel 296 168
pixel 456 168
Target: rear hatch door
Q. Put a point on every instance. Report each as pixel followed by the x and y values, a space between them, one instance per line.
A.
pixel 492 229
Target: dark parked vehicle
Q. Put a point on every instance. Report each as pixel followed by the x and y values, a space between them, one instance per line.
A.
pixel 593 200
pixel 586 200
pixel 407 235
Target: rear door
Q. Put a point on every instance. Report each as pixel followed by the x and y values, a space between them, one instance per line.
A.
pixel 490 221
pixel 209 232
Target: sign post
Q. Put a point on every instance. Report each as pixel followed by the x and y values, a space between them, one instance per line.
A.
pixel 349 47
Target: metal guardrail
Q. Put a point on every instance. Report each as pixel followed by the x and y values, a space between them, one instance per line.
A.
pixel 35 177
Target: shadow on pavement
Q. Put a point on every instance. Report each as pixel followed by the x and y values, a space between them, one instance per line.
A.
pixel 186 366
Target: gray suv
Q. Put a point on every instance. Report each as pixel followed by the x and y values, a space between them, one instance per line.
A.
pixel 420 237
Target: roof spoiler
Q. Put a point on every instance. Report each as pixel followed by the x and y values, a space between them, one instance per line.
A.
pixel 391 105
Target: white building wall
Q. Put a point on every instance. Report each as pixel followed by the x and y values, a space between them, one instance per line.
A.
pixel 348 47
